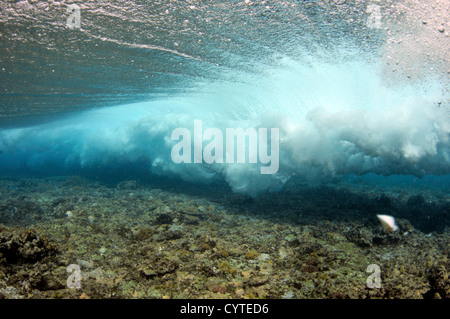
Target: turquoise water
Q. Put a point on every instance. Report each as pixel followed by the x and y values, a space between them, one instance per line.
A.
pixel 358 92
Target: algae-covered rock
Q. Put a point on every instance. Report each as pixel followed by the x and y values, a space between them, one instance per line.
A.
pixel 20 211
pixel 157 266
pixel 24 245
pixel 440 281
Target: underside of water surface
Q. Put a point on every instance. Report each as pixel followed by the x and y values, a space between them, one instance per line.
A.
pixel 93 95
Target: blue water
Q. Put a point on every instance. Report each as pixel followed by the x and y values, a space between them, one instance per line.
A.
pixel 107 96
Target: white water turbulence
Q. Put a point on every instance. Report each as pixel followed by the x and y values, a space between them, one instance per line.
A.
pixel 333 120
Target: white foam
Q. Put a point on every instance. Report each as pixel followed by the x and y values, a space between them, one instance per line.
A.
pixel 333 120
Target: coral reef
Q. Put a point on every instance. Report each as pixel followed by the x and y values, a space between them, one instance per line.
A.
pixel 141 241
pixel 23 246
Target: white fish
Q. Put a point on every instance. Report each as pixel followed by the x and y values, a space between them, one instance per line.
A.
pixel 388 222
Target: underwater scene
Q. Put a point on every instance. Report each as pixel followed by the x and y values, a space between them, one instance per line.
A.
pixel 224 149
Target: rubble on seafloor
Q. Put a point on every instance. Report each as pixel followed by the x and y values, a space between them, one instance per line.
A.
pixel 132 240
